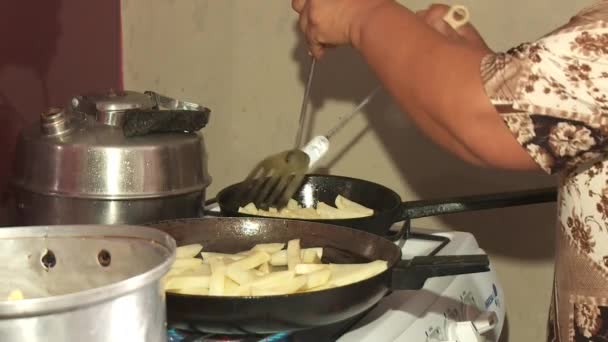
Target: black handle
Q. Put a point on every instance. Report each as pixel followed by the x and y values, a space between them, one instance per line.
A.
pixel 412 274
pixel 142 122
pixel 425 208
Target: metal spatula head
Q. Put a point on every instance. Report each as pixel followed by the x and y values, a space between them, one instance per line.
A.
pixel 275 179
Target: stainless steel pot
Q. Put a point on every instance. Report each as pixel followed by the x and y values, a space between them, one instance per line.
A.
pixel 84 283
pixel 120 157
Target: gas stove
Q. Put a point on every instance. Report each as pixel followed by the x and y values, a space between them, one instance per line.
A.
pixel 463 308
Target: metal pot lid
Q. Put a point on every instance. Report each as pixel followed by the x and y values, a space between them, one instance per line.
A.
pixel 91 159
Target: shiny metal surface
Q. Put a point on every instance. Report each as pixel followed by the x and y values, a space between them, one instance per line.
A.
pixel 98 161
pixel 170 103
pixel 76 166
pixel 104 283
pixel 36 209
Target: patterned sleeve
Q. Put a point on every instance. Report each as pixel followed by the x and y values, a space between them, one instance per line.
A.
pixel 552 93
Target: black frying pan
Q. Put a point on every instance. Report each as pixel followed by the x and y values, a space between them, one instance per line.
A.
pixel 388 206
pixel 264 315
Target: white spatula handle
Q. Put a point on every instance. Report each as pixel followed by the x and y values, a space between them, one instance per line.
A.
pixel 316 148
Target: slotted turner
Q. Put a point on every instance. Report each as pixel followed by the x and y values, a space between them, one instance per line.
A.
pixel 275 179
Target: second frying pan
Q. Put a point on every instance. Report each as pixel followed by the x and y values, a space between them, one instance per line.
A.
pixel 387 204
pixel 271 314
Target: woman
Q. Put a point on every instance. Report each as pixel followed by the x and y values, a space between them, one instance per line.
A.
pixel 541 105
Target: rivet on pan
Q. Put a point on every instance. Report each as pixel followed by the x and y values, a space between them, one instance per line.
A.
pixel 48 259
pixel 104 258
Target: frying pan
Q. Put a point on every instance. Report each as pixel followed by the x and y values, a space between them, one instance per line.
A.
pixel 387 204
pixel 271 314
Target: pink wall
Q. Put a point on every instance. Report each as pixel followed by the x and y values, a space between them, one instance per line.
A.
pixel 52 50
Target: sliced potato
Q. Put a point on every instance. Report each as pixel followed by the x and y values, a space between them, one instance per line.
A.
pixel 193 291
pixel 326 211
pixel 249 209
pixel 188 251
pixel 288 287
pixel 252 261
pixel 311 256
pixel 264 268
pixel 228 257
pixel 183 282
pixel 293 205
pixel 344 209
pixel 309 268
pixel 268 247
pixel 218 273
pixel 270 280
pixel 202 269
pixel 280 258
pixel 293 253
pixel 317 278
pixel 354 208
pixel 186 263
pixel 319 288
pixel 15 295
pixel 344 274
pixel 239 276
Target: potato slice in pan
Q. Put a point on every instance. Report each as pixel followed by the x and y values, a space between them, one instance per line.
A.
pixel 184 282
pixel 342 274
pixel 186 263
pixel 188 251
pixel 280 258
pixel 354 208
pixel 193 291
pixel 293 253
pixel 317 278
pixel 268 247
pixel 227 257
pixel 216 280
pixel 264 268
pixel 252 261
pixel 309 268
pixel 241 277
pixel 286 287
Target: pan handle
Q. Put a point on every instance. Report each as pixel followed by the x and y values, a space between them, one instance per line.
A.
pixel 425 208
pixel 412 274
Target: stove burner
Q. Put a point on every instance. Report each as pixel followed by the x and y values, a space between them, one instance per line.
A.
pixel 176 335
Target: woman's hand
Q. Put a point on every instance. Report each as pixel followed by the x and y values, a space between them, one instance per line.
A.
pixel 433 16
pixel 332 22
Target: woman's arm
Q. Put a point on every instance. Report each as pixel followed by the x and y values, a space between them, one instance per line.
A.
pixel 433 78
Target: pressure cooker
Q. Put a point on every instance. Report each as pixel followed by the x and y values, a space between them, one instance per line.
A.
pixel 117 157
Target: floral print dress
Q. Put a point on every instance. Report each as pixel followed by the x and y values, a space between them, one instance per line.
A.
pixel 553 96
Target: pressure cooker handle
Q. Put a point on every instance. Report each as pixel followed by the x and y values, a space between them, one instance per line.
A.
pixel 425 208
pixel 140 122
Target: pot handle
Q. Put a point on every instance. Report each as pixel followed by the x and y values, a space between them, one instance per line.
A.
pixel 140 122
pixel 412 274
pixel 425 208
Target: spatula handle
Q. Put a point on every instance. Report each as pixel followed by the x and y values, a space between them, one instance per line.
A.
pixel 316 148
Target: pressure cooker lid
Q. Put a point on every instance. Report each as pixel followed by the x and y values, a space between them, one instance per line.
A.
pixel 82 154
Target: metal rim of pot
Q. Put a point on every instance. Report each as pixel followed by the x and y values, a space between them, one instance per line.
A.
pixel 37 306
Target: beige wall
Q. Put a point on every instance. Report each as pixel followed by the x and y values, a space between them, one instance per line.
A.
pixel 245 61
